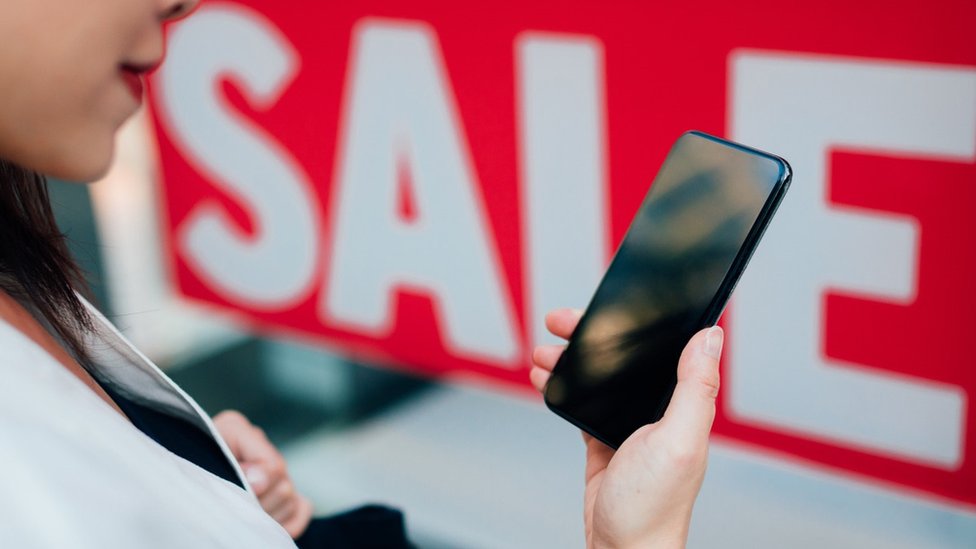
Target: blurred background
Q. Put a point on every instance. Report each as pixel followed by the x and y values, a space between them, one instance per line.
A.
pixel 347 222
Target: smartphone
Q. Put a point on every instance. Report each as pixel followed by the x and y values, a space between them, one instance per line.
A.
pixel 671 276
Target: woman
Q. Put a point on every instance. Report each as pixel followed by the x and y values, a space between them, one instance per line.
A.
pixel 101 449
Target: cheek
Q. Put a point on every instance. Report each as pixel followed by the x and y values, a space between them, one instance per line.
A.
pixel 73 120
pixel 59 135
pixel 63 98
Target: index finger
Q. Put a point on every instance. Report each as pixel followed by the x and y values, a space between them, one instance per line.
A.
pixel 257 449
pixel 249 444
pixel 562 322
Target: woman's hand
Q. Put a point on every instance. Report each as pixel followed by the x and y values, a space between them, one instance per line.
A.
pixel 266 472
pixel 642 494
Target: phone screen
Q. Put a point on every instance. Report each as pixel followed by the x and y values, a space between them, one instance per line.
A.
pixel 670 277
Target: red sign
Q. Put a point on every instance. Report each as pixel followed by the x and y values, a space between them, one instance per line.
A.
pixel 416 183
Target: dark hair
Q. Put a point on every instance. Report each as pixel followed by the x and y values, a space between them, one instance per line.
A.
pixel 35 266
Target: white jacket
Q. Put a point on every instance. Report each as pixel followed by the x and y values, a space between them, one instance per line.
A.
pixel 74 473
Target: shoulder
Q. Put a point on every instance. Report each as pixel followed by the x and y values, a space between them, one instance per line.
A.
pixel 77 474
pixel 50 452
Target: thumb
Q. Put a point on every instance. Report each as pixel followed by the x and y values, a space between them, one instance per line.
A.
pixel 692 407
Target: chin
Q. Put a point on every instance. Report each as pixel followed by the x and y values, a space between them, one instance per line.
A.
pixel 81 165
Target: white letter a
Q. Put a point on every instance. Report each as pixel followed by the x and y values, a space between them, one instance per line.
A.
pixel 399 115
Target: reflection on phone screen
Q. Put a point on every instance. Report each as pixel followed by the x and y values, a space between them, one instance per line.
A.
pixel 619 369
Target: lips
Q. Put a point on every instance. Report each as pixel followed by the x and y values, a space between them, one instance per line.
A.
pixel 133 80
pixel 133 74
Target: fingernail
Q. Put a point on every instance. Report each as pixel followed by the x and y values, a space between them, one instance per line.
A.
pixel 255 477
pixel 714 338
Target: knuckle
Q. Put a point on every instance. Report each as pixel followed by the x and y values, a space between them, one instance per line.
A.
pixel 537 355
pixel 276 464
pixel 710 383
pixel 686 458
pixel 284 512
pixel 231 417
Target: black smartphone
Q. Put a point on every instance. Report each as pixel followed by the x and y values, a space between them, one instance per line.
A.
pixel 671 276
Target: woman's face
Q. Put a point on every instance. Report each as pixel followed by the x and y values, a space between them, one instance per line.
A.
pixel 70 74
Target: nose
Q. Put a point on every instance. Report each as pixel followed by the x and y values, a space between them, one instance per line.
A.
pixel 171 10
